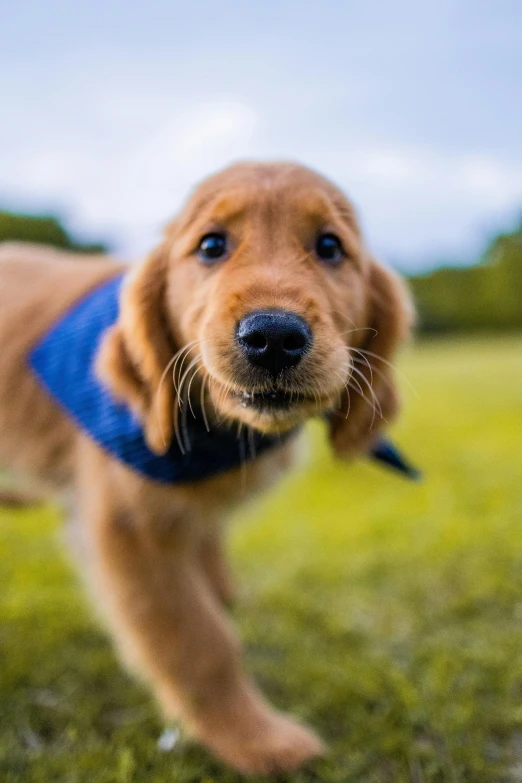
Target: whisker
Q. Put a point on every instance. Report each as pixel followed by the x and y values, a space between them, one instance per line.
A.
pixel 375 370
pixel 356 359
pixel 343 315
pixel 359 389
pixel 182 377
pixel 202 401
pixel 370 389
pixel 181 356
pixel 171 362
pixel 349 399
pixel 156 396
pixel 360 329
pixel 389 364
pixel 184 428
pixel 177 430
pixel 184 397
pixel 181 437
pixel 198 367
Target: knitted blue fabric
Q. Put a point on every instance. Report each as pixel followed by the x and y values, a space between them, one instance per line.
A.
pixel 64 363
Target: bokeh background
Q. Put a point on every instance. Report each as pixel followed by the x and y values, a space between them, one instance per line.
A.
pixel 388 615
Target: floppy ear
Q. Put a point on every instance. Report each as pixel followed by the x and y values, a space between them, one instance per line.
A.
pixel 371 401
pixel 137 349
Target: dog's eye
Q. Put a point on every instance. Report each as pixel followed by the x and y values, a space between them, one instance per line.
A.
pixel 212 247
pixel 329 248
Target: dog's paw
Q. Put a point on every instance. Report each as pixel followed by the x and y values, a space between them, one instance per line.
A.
pixel 279 745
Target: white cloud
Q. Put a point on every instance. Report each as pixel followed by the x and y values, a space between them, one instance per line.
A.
pixel 484 181
pixel 135 189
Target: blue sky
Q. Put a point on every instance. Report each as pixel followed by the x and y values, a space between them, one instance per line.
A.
pixel 111 111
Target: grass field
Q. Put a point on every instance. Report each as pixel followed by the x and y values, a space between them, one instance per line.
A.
pixel 387 614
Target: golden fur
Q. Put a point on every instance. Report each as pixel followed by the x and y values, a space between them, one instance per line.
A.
pixel 154 552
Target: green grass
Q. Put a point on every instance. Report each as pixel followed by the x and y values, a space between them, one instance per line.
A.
pixel 387 614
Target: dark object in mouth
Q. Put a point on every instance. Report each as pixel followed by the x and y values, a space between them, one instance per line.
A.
pixel 385 452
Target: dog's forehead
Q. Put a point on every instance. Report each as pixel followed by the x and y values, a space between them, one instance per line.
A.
pixel 241 188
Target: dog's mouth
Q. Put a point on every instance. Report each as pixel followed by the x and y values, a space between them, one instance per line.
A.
pixel 270 401
pixel 269 405
pixel 269 409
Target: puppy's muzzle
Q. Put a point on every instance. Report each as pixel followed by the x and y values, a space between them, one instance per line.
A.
pixel 274 339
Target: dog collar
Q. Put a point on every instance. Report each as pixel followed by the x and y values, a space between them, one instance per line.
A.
pixel 64 362
pixel 389 455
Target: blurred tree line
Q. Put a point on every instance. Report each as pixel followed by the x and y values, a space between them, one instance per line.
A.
pixel 44 230
pixel 487 296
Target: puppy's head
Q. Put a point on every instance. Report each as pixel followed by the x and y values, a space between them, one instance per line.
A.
pixel 264 303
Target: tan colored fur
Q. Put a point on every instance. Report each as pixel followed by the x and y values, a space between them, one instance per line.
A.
pixel 155 552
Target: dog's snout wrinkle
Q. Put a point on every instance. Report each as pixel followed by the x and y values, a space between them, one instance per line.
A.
pixel 274 339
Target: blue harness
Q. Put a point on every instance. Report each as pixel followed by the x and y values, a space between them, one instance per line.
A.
pixel 64 362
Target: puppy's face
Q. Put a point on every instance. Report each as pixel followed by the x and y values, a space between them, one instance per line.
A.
pixel 263 298
pixel 266 285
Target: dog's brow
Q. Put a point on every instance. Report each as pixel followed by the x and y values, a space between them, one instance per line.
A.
pixel 314 202
pixel 320 206
pixel 224 208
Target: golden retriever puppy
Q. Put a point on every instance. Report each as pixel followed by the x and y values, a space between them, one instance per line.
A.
pixel 155 397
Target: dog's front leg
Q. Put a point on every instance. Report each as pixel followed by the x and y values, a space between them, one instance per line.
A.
pixel 169 625
pixel 215 567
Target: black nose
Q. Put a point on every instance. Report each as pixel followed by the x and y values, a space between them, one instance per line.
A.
pixel 274 339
